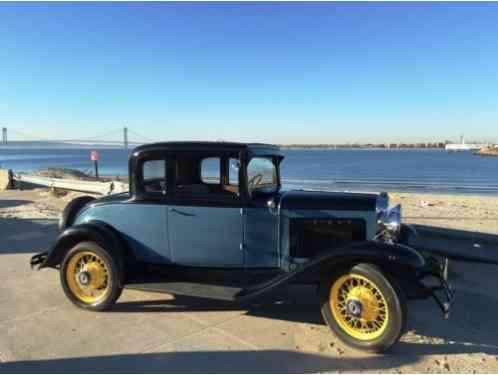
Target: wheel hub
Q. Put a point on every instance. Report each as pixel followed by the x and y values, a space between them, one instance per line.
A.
pixel 84 278
pixel 354 307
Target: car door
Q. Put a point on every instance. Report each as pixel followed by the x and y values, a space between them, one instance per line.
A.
pixel 261 221
pixel 205 223
pixel 205 236
pixel 261 234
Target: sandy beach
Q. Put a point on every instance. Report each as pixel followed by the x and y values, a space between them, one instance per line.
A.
pixel 473 213
pixel 262 337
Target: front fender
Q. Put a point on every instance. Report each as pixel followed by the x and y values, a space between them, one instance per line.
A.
pixel 396 259
pixel 101 233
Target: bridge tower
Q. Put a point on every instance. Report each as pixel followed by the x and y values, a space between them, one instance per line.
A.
pixel 125 134
pixel 4 135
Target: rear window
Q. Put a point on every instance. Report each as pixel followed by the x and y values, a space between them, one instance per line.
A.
pixel 154 175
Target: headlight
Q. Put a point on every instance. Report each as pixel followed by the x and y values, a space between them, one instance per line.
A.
pixel 392 220
pixel 381 206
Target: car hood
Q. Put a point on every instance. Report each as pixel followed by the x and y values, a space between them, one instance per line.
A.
pixel 326 200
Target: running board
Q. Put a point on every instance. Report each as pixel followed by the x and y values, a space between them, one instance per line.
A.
pixel 227 285
pixel 218 292
pixel 456 244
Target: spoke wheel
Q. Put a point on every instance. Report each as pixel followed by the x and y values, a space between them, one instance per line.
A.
pixel 364 307
pixel 359 307
pixel 91 276
pixel 88 277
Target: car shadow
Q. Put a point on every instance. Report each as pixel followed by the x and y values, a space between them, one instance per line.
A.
pixel 247 361
pixel 471 327
pixel 296 303
pixel 9 203
pixel 463 332
pixel 26 235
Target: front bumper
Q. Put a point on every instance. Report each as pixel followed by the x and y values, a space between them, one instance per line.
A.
pixel 435 280
pixel 37 261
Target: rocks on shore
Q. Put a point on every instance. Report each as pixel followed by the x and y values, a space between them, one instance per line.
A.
pixel 67 173
pixel 488 151
pixel 5 179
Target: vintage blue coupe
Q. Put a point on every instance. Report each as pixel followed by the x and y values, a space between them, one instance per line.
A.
pixel 209 219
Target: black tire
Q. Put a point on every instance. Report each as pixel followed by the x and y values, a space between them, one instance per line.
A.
pixel 72 209
pixel 394 322
pixel 114 276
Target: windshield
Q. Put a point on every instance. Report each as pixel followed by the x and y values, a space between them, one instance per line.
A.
pixel 262 175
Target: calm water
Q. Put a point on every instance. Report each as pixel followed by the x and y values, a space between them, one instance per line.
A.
pixel 363 170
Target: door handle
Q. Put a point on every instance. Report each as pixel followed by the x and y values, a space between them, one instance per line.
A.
pixel 180 212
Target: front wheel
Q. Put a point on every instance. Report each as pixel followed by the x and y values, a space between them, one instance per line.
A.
pixel 91 276
pixel 363 308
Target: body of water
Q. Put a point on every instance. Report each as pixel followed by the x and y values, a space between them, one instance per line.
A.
pixel 430 171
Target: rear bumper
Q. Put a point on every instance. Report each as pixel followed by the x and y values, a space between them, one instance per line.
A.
pixel 38 260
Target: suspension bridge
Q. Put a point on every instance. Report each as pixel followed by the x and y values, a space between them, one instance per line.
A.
pixel 124 137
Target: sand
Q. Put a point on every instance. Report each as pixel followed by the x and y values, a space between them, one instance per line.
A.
pixel 473 213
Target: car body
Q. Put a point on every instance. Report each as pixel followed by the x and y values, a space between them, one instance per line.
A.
pixel 210 220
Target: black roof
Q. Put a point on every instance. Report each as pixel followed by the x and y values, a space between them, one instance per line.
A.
pixel 254 148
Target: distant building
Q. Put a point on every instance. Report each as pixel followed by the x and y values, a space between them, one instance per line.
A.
pixel 455 147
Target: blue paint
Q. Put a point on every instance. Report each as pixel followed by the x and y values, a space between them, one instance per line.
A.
pixel 142 225
pixel 205 236
pixel 227 237
pixel 260 235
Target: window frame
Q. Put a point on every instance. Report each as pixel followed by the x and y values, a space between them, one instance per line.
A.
pixel 276 164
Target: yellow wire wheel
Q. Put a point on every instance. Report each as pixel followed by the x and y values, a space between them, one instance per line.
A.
pixel 364 307
pixel 359 307
pixel 92 276
pixel 88 277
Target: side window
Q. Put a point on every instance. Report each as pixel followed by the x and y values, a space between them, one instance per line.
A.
pixel 233 171
pixel 210 171
pixel 154 176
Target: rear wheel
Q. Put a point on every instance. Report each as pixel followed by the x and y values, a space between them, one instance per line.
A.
pixel 91 276
pixel 363 308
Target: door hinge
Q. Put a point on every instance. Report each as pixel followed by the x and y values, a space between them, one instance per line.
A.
pixel 241 211
pixel 241 247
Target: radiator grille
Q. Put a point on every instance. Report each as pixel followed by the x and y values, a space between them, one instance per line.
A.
pixel 309 237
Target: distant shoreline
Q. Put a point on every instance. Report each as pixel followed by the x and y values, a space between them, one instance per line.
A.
pixel 352 148
pixel 326 146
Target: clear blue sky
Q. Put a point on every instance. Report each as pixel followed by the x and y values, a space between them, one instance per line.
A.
pixel 285 73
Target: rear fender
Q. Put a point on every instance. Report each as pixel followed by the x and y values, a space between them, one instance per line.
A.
pixel 101 233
